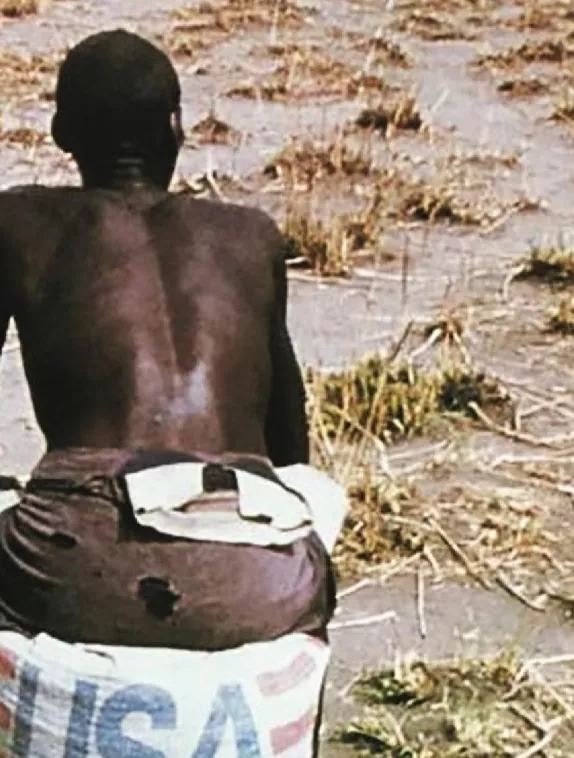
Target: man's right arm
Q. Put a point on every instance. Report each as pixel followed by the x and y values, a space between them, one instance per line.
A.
pixel 4 320
pixel 286 427
pixel 5 278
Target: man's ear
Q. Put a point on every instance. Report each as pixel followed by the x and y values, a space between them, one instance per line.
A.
pixel 177 127
pixel 61 132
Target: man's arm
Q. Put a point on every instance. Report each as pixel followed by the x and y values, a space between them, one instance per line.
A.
pixel 286 428
pixel 4 319
pixel 4 310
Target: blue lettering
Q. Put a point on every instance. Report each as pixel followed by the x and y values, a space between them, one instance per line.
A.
pixel 155 702
pixel 229 703
pixel 80 721
pixel 24 720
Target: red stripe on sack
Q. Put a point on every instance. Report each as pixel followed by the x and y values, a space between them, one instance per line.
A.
pixel 5 718
pixel 7 664
pixel 288 735
pixel 281 681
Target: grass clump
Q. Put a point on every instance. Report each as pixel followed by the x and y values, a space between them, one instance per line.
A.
pixel 199 27
pixel 311 243
pixel 23 137
pixel 233 15
pixel 369 537
pixel 390 522
pixel 432 26
pixel 552 263
pixel 392 402
pixel 549 50
pixel 19 8
pixel 469 708
pixel 211 130
pixel 564 109
pixel 561 319
pixel 402 114
pixel 184 42
pixel 303 162
pixel 305 73
pixel 537 17
pixel 382 51
pixel 411 199
pixel 328 247
pixel 22 75
pixel 527 87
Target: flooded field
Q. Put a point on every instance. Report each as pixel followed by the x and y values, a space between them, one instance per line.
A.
pixel 420 158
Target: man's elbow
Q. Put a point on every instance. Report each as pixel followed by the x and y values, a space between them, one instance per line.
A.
pixel 286 447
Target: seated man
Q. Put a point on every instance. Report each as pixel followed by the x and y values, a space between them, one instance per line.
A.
pixel 149 323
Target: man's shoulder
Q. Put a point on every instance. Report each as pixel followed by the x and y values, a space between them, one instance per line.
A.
pixel 28 198
pixel 227 218
pixel 38 190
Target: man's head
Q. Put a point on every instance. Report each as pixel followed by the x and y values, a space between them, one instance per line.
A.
pixel 117 98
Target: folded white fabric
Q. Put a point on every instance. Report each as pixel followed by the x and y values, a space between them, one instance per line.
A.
pixel 163 498
pixel 89 701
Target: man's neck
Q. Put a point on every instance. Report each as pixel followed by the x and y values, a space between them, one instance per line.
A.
pixel 121 174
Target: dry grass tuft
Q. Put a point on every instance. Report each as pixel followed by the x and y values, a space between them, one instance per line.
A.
pixel 199 27
pixel 24 75
pixel 561 319
pixel 564 109
pixel 231 16
pixel 305 73
pixel 382 51
pixel 284 50
pixel 184 42
pixel 552 263
pixel 418 200
pixel 432 25
pixel 390 402
pixel 23 137
pixel 328 248
pixel 547 50
pixel 310 243
pixel 488 535
pixel 485 159
pixel 526 87
pixel 403 114
pixel 470 707
pixel 477 535
pixel 304 162
pixel 540 16
pixel 533 18
pixel 369 538
pixel 19 8
pixel 210 130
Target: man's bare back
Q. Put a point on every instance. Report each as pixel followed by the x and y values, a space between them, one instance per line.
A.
pixel 153 330
pixel 150 320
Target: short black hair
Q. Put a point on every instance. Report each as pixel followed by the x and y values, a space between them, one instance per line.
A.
pixel 113 86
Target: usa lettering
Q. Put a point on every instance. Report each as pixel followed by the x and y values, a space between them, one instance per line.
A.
pixel 102 727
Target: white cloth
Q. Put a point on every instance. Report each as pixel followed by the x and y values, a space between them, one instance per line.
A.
pixel 89 701
pixel 267 514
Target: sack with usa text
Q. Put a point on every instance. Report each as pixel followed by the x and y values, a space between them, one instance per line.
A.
pixel 59 700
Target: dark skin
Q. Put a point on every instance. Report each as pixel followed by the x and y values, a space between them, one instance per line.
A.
pixel 148 319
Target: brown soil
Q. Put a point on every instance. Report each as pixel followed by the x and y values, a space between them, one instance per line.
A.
pixel 436 215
